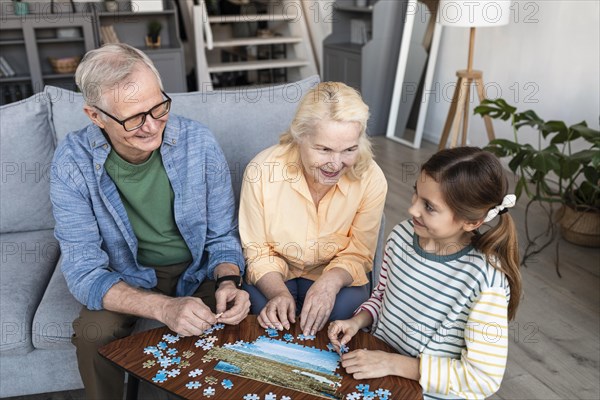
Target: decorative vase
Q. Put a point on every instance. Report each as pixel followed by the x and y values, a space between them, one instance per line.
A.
pixel 152 44
pixel 111 6
pixel 580 227
pixel 21 8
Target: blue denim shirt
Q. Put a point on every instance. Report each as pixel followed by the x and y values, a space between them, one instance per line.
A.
pixel 97 241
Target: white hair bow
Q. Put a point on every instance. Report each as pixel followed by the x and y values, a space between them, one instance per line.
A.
pixel 509 201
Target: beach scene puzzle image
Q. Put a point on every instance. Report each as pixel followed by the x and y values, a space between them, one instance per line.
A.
pixel 278 362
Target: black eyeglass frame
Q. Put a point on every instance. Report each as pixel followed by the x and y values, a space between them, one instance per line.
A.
pixel 143 114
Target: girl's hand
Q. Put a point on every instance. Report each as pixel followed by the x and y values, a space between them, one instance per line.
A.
pixel 368 364
pixel 346 329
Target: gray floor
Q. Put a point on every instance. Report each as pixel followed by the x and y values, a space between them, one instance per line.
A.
pixel 554 348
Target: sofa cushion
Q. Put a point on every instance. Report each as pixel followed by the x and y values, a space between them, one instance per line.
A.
pixel 66 111
pixel 53 320
pixel 26 150
pixel 26 264
pixel 244 121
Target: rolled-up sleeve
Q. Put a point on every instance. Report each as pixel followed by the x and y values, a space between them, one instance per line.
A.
pixel 479 371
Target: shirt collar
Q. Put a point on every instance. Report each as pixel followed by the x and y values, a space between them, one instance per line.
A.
pixel 171 134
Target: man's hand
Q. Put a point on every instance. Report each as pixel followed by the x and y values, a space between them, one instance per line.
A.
pixel 279 311
pixel 229 294
pixel 187 316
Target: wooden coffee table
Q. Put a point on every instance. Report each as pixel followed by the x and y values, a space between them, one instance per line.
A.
pixel 128 353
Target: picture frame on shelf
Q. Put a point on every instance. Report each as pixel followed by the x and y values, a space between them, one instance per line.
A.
pixel 147 5
pixel 68 33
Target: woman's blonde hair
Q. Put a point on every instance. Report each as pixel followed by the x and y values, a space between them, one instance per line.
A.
pixel 336 102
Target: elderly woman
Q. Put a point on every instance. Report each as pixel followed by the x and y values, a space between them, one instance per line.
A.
pixel 310 213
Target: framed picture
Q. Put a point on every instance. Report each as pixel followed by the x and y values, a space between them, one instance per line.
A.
pixel 414 74
pixel 147 5
pixel 68 33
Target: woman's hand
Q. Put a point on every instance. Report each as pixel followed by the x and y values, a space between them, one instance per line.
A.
pixel 320 299
pixel 318 304
pixel 278 312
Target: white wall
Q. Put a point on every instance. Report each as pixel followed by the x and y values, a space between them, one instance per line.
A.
pixel 547 59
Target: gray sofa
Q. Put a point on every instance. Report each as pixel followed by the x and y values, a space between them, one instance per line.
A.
pixel 36 308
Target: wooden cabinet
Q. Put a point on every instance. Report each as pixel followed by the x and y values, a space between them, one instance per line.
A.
pixel 42 51
pixel 131 27
pixel 362 51
pixel 39 46
pixel 343 62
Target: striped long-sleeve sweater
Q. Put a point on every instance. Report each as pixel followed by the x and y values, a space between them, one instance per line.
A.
pixel 450 311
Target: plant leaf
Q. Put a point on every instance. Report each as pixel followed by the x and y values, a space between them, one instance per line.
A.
pixel 568 168
pixel 529 118
pixel 592 175
pixel 508 146
pixel 497 109
pixel 545 162
pixel 589 134
pixel 519 187
pixel 584 156
pixel 560 128
pixel 517 161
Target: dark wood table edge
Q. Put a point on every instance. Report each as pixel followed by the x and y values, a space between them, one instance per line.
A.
pixel 133 379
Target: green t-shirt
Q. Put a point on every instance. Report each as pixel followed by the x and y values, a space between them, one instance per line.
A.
pixel 148 197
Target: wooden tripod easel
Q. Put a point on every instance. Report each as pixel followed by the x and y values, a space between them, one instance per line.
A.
pixel 459 107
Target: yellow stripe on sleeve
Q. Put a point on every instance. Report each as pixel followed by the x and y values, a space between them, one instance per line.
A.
pixel 504 306
pixel 487 363
pixel 439 361
pixel 467 380
pixel 502 296
pixel 500 346
pixel 489 313
pixel 471 319
pixel 474 379
pixel 485 353
pixel 449 380
pixel 429 376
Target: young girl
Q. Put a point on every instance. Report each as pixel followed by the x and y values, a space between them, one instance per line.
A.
pixel 446 290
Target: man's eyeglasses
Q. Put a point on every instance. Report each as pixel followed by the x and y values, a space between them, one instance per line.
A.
pixel 134 122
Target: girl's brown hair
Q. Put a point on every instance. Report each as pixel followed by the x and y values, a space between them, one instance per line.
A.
pixel 473 182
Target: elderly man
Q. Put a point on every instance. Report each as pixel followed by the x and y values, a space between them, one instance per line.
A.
pixel 145 215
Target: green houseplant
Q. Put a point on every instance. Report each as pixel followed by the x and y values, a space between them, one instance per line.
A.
pixel 552 173
pixel 153 38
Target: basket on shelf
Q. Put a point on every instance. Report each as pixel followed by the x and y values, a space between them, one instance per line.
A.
pixel 65 65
